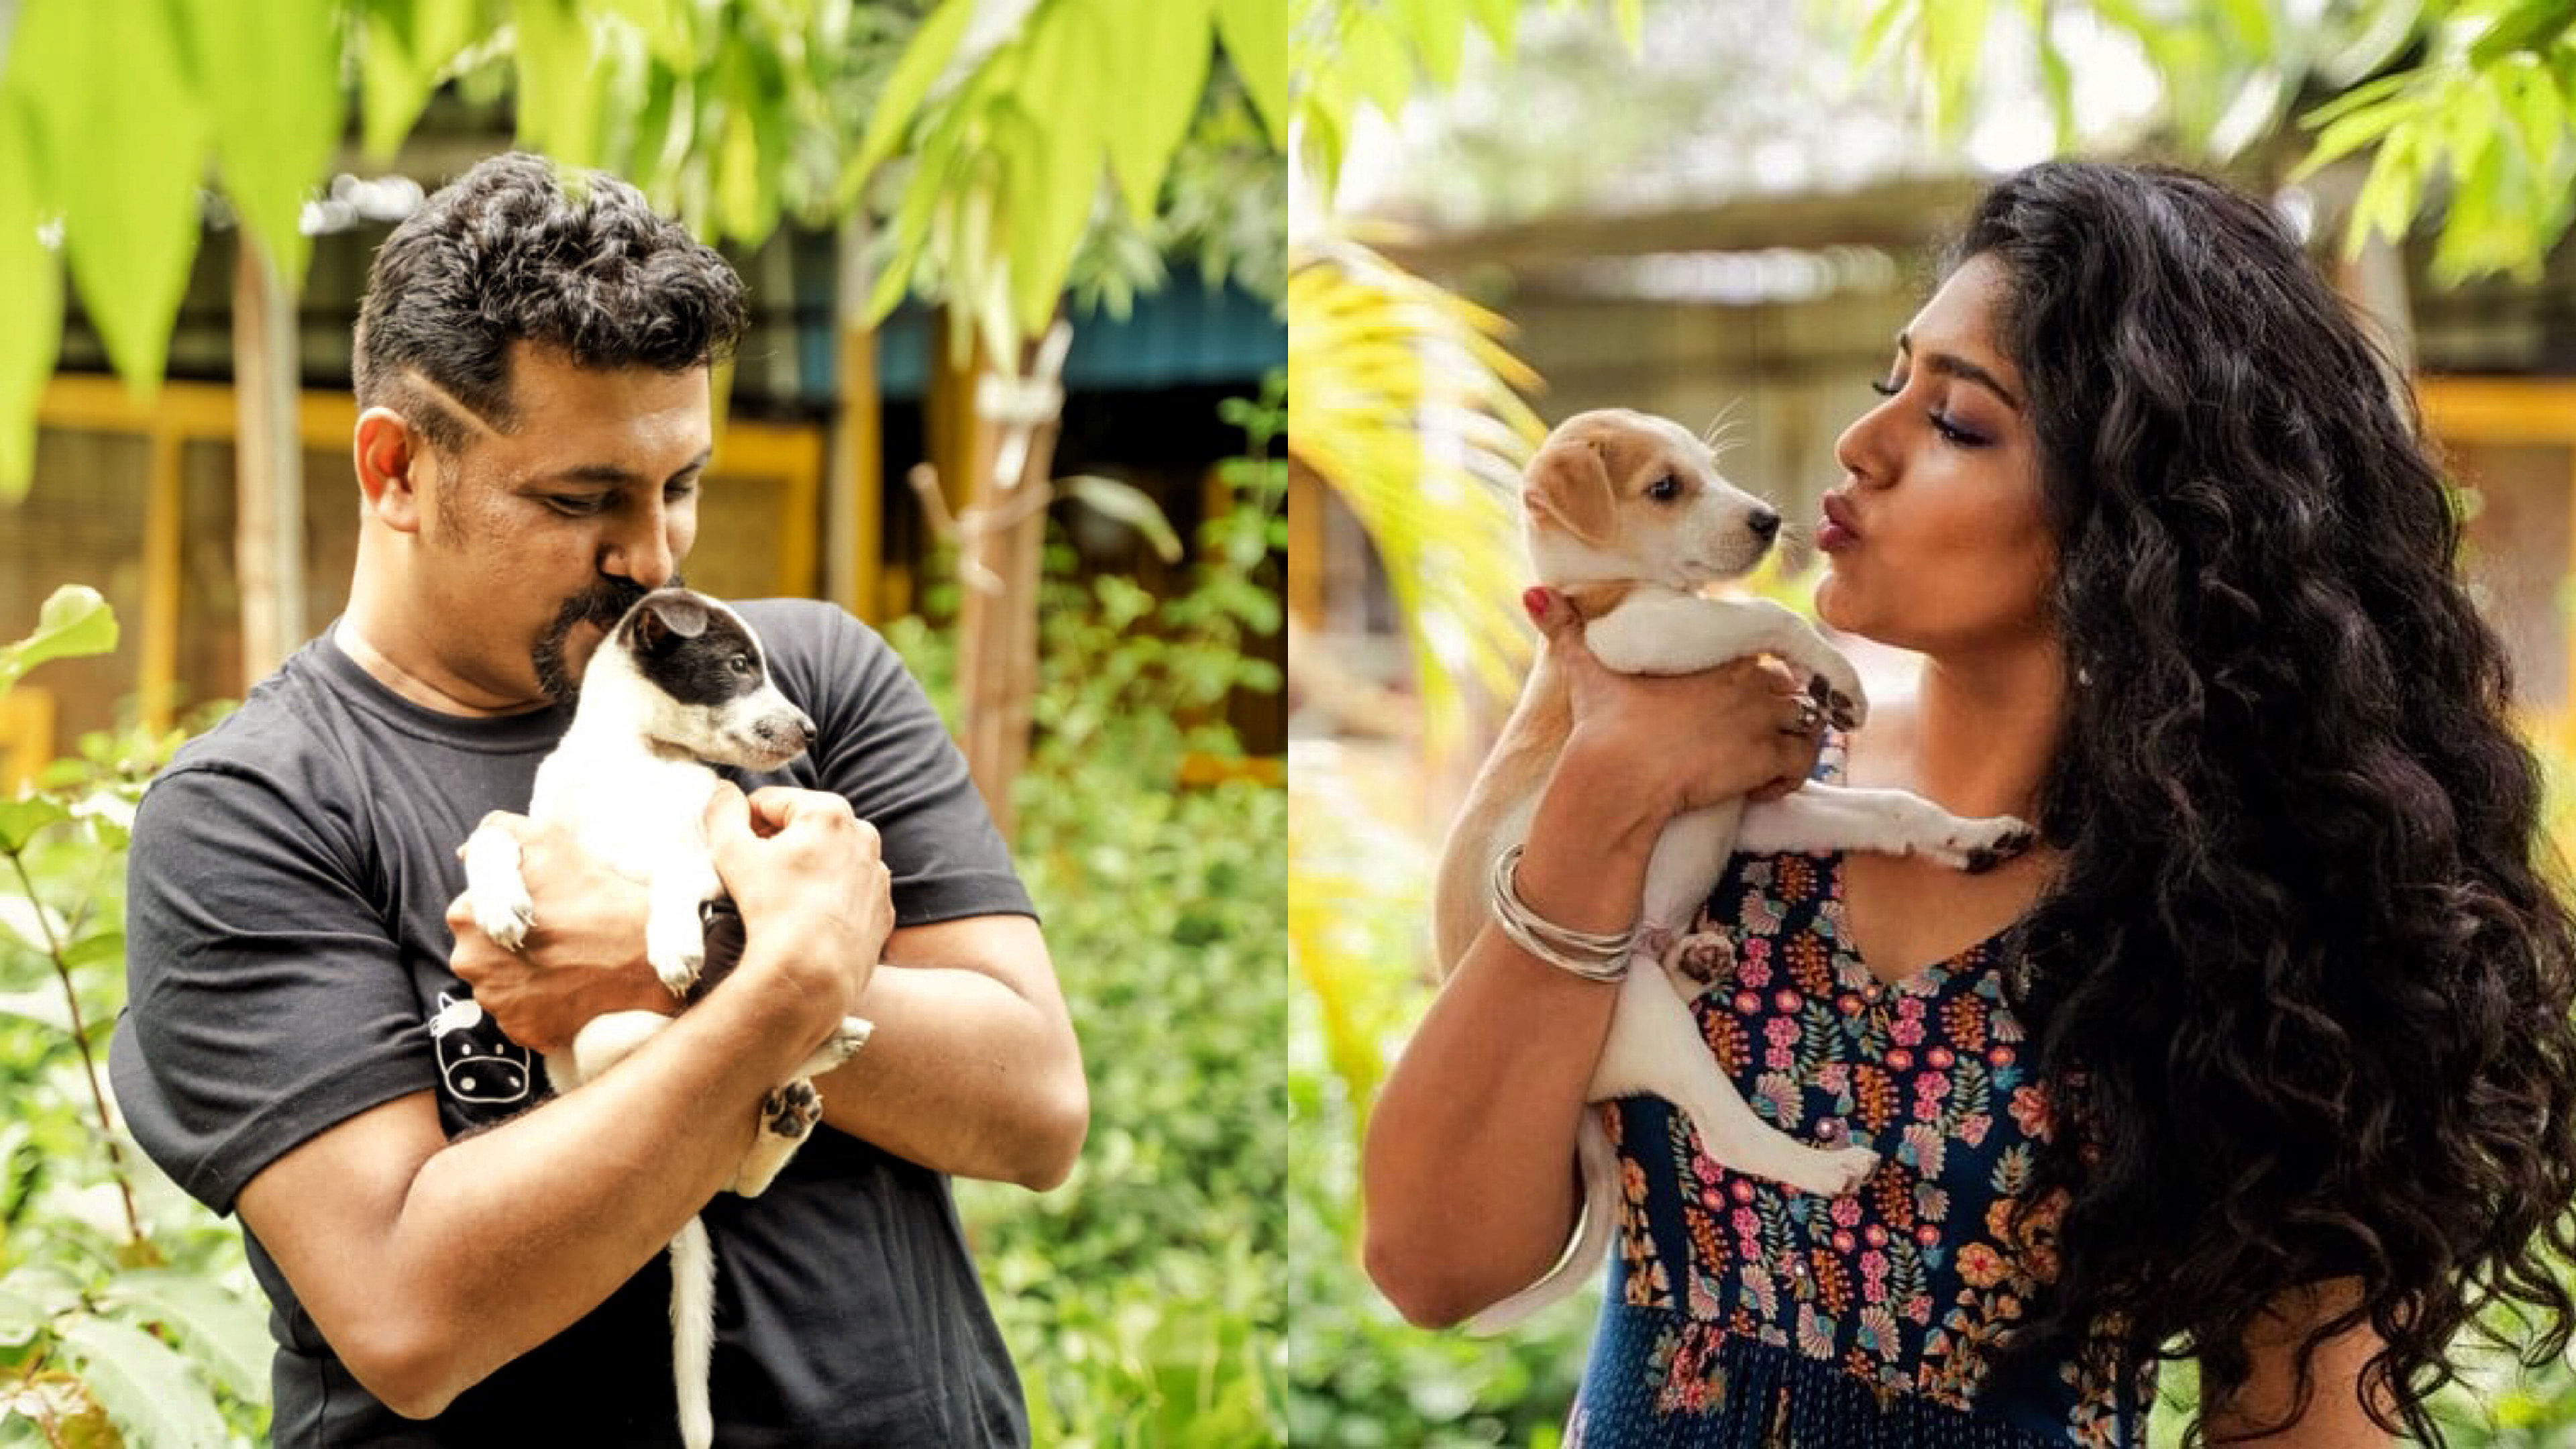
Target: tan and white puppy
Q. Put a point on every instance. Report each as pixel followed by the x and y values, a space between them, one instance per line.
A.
pixel 1627 516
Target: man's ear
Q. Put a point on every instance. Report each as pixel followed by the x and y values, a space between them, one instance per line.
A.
pixel 392 460
pixel 664 618
pixel 1568 483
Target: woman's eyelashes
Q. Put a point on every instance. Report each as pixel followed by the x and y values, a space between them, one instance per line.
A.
pixel 1950 429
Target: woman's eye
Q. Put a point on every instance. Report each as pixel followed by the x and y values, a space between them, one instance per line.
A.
pixel 1664 489
pixel 1952 433
pixel 1889 387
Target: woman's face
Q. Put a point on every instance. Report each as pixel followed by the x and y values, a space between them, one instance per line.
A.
pixel 1936 541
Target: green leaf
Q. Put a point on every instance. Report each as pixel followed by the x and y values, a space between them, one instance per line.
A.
pixel 1439 29
pixel 225 1334
pixel 924 61
pixel 273 136
pixel 74 622
pixel 1128 504
pixel 557 109
pixel 1056 152
pixel 121 138
pixel 31 276
pixel 148 1389
pixel 1255 33
pixel 1162 55
pixel 2532 25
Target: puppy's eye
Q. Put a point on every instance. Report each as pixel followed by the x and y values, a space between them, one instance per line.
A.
pixel 740 663
pixel 1664 489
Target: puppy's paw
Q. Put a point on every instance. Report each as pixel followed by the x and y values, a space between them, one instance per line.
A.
pixel 1978 846
pixel 1702 958
pixel 791 1111
pixel 1837 691
pixel 1837 1172
pixel 503 912
pixel 676 955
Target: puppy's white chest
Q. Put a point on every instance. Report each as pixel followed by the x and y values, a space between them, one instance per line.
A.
pixel 637 814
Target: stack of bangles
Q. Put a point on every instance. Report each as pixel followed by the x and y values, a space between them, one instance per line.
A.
pixel 1592 955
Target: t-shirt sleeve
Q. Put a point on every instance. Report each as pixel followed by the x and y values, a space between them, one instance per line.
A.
pixel 266 997
pixel 881 745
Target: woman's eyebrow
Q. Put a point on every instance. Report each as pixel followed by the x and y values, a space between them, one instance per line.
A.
pixel 1947 364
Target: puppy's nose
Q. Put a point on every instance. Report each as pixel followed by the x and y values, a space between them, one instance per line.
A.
pixel 798 731
pixel 1764 524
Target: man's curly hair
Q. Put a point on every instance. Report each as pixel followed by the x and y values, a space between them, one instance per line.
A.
pixel 2302 992
pixel 503 254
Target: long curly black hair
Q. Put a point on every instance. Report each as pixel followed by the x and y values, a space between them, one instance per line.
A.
pixel 2302 991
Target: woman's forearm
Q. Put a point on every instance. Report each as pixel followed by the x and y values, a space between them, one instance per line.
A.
pixel 1468 1170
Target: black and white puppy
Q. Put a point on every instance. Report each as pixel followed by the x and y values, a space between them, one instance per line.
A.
pixel 680 681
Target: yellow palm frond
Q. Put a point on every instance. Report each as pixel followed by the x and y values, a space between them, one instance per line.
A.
pixel 1403 399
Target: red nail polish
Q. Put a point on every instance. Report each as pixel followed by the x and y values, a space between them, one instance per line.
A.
pixel 1535 601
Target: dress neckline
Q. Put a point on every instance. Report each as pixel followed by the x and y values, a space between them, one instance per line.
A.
pixel 1852 971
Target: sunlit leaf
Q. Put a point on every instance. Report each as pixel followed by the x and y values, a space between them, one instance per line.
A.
pixel 148 1389
pixel 32 277
pixel 74 622
pixel 1164 52
pixel 1255 33
pixel 121 137
pixel 1128 504
pixel 229 1335
pixel 273 140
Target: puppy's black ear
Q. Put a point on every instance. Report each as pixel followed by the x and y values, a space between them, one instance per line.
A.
pixel 663 619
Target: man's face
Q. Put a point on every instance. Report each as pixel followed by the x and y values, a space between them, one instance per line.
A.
pixel 537 541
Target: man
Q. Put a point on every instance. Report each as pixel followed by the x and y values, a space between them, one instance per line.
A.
pixel 317 1039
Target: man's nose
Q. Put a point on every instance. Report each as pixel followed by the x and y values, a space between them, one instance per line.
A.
pixel 641 550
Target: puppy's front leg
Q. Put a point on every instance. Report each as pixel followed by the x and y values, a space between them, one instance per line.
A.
pixel 675 939
pixel 1678 634
pixel 1817 818
pixel 497 895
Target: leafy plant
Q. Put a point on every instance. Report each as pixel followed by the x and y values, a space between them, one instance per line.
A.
pixel 1142 1298
pixel 125 1309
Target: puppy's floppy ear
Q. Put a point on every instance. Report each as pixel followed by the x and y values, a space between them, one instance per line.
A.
pixel 666 617
pixel 1568 484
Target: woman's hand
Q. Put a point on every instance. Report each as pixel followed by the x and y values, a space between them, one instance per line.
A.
pixel 1662 746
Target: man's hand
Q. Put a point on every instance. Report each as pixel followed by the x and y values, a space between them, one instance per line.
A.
pixel 816 899
pixel 584 956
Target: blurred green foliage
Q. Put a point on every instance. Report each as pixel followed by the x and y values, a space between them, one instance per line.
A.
pixel 1142 1299
pixel 127 1312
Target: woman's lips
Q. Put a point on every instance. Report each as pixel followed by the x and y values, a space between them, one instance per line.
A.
pixel 1836 532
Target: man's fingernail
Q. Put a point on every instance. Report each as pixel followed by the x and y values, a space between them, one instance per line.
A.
pixel 1535 600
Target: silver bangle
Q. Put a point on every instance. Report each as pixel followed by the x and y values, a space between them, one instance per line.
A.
pixel 1592 955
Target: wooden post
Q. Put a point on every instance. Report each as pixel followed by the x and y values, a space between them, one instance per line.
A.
pixel 268 529
pixel 854 523
pixel 1004 532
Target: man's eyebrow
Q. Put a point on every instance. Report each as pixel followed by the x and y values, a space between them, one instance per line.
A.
pixel 613 476
pixel 1948 364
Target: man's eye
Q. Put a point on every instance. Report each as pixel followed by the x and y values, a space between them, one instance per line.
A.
pixel 685 488
pixel 1664 489
pixel 576 507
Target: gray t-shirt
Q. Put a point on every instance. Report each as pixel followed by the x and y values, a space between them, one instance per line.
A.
pixel 287 964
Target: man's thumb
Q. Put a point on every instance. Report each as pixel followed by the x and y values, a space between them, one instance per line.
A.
pixel 728 815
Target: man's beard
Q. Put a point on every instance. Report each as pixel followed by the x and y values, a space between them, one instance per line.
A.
pixel 603 603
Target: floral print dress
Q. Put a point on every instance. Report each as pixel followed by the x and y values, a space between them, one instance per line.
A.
pixel 1742 1312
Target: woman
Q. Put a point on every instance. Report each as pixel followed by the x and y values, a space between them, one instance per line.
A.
pixel 2263 1056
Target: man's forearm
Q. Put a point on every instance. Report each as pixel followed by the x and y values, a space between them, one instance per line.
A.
pixel 507 1237
pixel 963 1075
